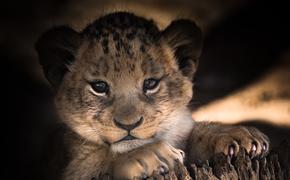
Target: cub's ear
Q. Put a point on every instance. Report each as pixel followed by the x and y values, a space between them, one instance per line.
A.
pixel 56 51
pixel 185 38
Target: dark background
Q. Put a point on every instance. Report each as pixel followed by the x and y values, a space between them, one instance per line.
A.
pixel 240 45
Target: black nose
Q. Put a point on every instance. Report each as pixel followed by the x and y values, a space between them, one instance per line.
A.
pixel 128 127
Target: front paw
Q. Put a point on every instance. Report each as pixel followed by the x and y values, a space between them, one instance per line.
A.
pixel 230 140
pixel 142 162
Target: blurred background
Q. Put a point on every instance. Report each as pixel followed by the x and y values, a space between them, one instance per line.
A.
pixel 243 75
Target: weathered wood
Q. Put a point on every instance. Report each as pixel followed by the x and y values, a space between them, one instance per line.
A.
pixel 275 166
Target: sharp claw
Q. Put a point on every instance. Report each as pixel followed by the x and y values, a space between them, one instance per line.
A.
pixel 253 150
pixel 231 150
pixel 182 153
pixel 163 170
pixel 264 147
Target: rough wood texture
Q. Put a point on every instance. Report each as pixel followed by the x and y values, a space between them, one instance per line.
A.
pixel 276 166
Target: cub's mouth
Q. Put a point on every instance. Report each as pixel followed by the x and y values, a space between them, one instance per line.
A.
pixel 128 143
pixel 129 137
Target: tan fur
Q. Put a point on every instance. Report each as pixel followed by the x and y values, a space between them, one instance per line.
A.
pixel 95 145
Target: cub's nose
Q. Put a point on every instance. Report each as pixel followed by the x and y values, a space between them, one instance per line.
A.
pixel 128 127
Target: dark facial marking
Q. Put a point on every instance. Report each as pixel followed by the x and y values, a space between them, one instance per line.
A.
pixel 97 35
pixel 116 36
pixel 142 48
pixel 131 35
pixel 118 45
pixel 105 45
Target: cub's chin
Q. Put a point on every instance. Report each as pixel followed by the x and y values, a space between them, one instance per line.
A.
pixel 127 145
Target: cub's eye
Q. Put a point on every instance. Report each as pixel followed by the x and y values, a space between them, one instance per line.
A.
pixel 151 85
pixel 100 87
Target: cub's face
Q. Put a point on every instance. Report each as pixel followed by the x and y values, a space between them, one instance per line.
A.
pixel 122 82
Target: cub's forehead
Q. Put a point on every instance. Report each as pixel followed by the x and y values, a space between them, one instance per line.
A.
pixel 123 43
pixel 130 58
pixel 122 34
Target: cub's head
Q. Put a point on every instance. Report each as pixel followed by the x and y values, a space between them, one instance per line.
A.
pixel 122 81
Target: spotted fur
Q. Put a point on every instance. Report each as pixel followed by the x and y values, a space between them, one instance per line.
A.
pixel 122 50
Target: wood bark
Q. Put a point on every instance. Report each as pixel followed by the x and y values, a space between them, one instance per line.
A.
pixel 275 166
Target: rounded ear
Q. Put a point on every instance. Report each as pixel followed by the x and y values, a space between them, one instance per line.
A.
pixel 185 38
pixel 56 51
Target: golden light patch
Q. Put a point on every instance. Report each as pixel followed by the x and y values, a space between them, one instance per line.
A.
pixel 266 100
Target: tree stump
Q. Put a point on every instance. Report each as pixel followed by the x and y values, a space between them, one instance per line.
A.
pixel 276 166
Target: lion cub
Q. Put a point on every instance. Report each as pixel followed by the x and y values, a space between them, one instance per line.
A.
pixel 122 89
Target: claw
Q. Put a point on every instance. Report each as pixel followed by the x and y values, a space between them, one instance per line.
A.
pixel 182 153
pixel 264 147
pixel 253 150
pixel 162 170
pixel 232 150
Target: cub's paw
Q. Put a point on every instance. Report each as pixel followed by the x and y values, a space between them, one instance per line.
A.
pixel 142 162
pixel 230 140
